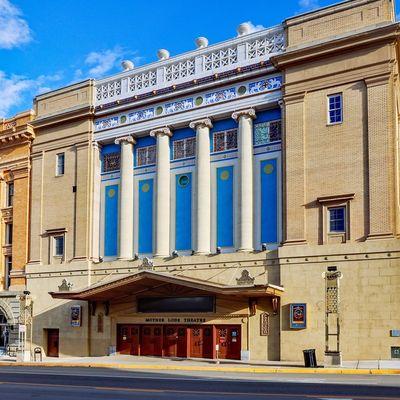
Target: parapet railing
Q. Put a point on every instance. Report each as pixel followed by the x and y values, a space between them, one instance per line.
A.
pixel 243 50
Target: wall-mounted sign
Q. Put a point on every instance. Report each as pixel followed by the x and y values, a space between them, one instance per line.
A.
pixel 298 316
pixel 76 316
pixel 264 324
pixel 395 352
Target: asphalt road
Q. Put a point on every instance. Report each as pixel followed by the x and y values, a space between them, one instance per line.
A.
pixel 22 383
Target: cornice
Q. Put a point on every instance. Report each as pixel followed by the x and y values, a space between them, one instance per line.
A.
pixel 328 47
pixel 82 112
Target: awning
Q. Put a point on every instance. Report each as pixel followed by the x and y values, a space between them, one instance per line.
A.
pixel 145 281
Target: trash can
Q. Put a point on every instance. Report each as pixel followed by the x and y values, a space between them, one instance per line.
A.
pixel 310 360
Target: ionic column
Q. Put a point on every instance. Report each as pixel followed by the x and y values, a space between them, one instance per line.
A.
pixel 162 136
pixel 245 148
pixel 203 185
pixel 126 198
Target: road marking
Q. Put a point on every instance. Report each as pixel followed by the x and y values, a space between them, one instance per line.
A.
pixel 202 392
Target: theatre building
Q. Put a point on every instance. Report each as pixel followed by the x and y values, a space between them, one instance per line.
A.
pixel 238 201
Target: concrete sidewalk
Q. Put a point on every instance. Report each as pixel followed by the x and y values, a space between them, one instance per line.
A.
pixel 154 363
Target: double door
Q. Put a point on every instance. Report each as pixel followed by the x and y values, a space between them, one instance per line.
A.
pixel 228 338
pixel 201 341
pixel 128 339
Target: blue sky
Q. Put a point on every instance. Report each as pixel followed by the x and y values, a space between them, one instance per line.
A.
pixel 46 44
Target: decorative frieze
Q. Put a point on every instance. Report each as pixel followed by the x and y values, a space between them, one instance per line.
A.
pixel 189 103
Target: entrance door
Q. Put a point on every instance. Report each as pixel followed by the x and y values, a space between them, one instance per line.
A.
pixel 151 340
pixel 52 342
pixel 174 344
pixel 128 339
pixel 201 341
pixel 229 341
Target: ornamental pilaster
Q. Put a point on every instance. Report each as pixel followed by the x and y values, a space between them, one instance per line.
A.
pixel 203 186
pixel 245 151
pixel 126 198
pixel 162 242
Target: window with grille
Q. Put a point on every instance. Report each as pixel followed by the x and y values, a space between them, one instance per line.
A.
pixel 146 156
pixel 60 167
pixel 267 132
pixel 184 148
pixel 225 140
pixel 10 194
pixel 335 109
pixel 59 246
pixel 111 162
pixel 337 219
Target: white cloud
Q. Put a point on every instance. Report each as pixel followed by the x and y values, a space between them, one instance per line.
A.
pixel 17 90
pixel 101 62
pixel 14 30
pixel 254 28
pixel 308 5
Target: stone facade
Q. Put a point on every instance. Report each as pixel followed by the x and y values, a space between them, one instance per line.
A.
pixel 349 49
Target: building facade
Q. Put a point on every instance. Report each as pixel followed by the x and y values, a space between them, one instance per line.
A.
pixel 16 136
pixel 238 201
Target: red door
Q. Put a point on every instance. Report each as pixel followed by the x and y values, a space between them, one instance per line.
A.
pixel 151 340
pixel 52 342
pixel 128 339
pixel 201 341
pixel 229 341
pixel 175 343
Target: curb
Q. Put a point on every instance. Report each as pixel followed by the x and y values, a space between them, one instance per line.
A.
pixel 256 370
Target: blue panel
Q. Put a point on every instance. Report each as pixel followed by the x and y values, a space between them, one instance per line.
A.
pixel 225 206
pixel 110 148
pixel 269 201
pixel 146 216
pixel 182 134
pixel 183 212
pixel 268 115
pixel 111 221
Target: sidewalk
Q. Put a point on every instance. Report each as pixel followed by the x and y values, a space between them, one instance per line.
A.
pixel 387 367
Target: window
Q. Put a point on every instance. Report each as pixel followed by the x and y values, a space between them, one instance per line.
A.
pixel 111 162
pixel 60 164
pixel 59 246
pixel 10 194
pixel 225 140
pixel 146 156
pixel 184 148
pixel 8 266
pixel 9 233
pixel 335 109
pixel 337 219
pixel 267 132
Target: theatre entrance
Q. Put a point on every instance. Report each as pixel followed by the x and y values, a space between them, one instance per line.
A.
pixel 180 340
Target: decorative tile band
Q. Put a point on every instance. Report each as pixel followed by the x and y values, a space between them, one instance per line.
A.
pixel 201 100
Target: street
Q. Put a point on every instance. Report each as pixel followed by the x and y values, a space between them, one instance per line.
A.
pixel 22 383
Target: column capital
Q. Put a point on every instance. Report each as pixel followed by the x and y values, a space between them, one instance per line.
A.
pixel 202 123
pixel 128 139
pixel 249 112
pixel 161 132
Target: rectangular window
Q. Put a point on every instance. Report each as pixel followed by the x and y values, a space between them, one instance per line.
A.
pixel 9 233
pixel 59 246
pixel 335 109
pixel 184 148
pixel 10 194
pixel 111 162
pixel 8 268
pixel 146 156
pixel 225 140
pixel 337 219
pixel 60 164
pixel 267 132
